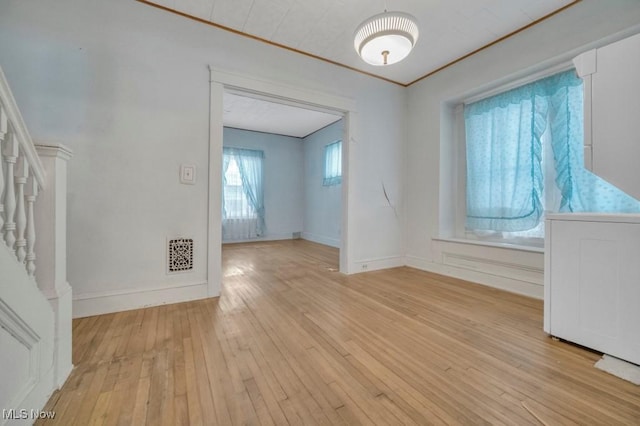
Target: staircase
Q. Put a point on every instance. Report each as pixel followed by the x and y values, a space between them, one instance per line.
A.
pixel 35 299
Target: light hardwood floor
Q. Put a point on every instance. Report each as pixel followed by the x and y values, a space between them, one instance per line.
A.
pixel 292 341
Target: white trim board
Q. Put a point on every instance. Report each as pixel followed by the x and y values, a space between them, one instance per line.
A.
pixel 281 92
pixel 510 284
pixel 368 265
pixel 98 303
pixel 264 238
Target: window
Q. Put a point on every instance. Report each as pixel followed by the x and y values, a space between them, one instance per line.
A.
pixel 524 154
pixel 242 194
pixel 332 164
pixel 236 203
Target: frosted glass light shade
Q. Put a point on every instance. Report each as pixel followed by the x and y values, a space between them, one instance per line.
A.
pixel 386 38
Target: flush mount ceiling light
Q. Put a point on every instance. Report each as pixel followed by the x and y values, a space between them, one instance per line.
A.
pixel 386 38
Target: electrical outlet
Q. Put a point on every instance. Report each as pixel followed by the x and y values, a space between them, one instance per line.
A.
pixel 365 266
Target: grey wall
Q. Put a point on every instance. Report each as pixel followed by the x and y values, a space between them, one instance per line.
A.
pixel 322 204
pixel 295 199
pixel 126 86
pixel 283 176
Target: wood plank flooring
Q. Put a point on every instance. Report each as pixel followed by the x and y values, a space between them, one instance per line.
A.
pixel 291 341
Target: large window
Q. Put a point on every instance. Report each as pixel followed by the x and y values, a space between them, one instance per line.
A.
pixel 524 155
pixel 242 194
pixel 332 164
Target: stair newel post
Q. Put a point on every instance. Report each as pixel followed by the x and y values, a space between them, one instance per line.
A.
pixel 10 156
pixel 3 132
pixel 51 250
pixel 32 194
pixel 22 174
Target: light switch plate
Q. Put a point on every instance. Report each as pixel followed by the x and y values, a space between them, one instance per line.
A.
pixel 188 174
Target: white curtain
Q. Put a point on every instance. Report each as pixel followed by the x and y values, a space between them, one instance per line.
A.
pixel 243 194
pixel 239 229
pixel 332 164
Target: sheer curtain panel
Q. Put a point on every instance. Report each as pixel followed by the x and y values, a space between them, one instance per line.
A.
pixel 243 194
pixel 332 164
pixel 505 178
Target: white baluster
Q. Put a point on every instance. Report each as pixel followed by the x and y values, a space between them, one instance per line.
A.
pixel 22 174
pixel 32 193
pixel 10 157
pixel 3 132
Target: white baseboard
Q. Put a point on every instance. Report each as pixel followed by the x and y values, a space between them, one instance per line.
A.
pixel 369 265
pixel 268 237
pixel 89 304
pixel 321 239
pixel 526 287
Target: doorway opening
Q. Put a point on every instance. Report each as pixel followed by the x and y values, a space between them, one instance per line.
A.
pixel 252 123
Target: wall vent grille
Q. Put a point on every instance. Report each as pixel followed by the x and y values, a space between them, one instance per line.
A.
pixel 180 255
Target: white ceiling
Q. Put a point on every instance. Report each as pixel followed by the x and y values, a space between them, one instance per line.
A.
pixel 449 29
pixel 247 113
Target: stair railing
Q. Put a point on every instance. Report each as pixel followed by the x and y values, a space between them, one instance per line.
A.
pixel 21 177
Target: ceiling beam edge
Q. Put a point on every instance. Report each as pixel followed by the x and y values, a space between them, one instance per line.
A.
pixel 282 46
pixel 388 80
pixel 486 46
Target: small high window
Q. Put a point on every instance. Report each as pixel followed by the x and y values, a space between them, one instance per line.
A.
pixel 332 164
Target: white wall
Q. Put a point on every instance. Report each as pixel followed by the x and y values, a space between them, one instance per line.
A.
pixel 429 176
pixel 125 85
pixel 283 176
pixel 322 204
pixel 27 339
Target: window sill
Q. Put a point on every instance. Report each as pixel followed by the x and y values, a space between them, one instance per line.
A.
pixel 503 245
